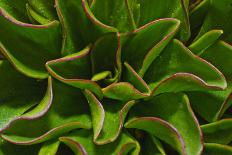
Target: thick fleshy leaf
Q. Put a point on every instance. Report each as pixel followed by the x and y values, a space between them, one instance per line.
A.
pixel 114 13
pixel 170 118
pixel 35 17
pixel 159 128
pixel 44 7
pixel 108 117
pixel 131 76
pixel 81 143
pixel 74 70
pixel 49 148
pixel 106 56
pixel 211 105
pixel 218 17
pixel 123 91
pixel 218 132
pixel 147 50
pixel 80 27
pixel 170 72
pixel 205 41
pixel 155 9
pixel 216 149
pixel 18 94
pixel 33 48
pixel 7 148
pixel 57 121
pixel 15 8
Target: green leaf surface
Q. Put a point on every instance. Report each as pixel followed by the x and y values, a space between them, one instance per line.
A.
pixel 7 148
pixel 155 9
pixel 80 27
pixel 205 41
pixel 218 132
pixel 123 91
pixel 33 48
pixel 49 147
pixel 131 76
pixel 106 56
pixel 74 70
pixel 108 117
pixel 18 94
pixel 218 17
pixel 15 8
pixel 45 8
pixel 35 17
pixel 170 118
pixel 211 105
pixel 216 149
pixel 170 73
pixel 81 143
pixel 140 53
pixel 114 13
pixel 57 121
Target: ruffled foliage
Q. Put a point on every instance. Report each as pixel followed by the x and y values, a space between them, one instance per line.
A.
pixel 107 77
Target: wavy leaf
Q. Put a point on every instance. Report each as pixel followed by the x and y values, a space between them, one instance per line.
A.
pixel 146 51
pixel 218 17
pixel 170 73
pixel 31 53
pixel 74 70
pixel 15 8
pixel 80 27
pixel 114 13
pixel 57 121
pixel 211 105
pixel 218 132
pixel 205 41
pixel 155 9
pixel 108 117
pixel 106 56
pixel 81 143
pixel 170 118
pixel 18 94
pixel 44 8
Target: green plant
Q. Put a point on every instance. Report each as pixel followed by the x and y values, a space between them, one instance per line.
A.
pixel 109 77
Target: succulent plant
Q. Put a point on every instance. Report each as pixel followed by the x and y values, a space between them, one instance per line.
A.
pixel 107 77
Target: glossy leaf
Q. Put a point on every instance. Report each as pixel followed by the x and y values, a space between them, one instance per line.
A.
pixel 15 8
pixel 106 56
pixel 18 94
pixel 108 117
pixel 45 8
pixel 146 52
pixel 114 13
pixel 170 118
pixel 212 105
pixel 218 17
pixel 74 70
pixel 170 73
pixel 156 9
pixel 49 148
pixel 218 132
pixel 57 121
pixel 81 143
pixel 31 53
pixel 80 27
